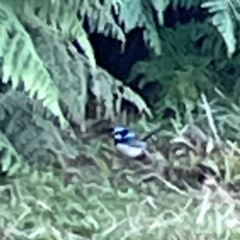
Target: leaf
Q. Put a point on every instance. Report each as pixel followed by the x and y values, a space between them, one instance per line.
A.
pixel 223 21
pixel 21 63
pixel 212 165
pixel 10 160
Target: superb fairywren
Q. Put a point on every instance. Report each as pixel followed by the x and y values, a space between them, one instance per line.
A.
pixel 127 143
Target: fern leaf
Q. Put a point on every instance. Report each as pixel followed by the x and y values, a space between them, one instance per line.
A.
pixel 21 63
pixel 62 66
pixel 101 19
pixel 29 133
pixel 223 21
pixel 111 87
pixel 62 17
pixel 10 160
pixel 160 6
pixel 130 13
pixel 136 100
pixel 136 13
pixel 75 68
pixel 151 38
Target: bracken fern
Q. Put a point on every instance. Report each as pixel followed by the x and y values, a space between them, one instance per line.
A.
pixel 15 45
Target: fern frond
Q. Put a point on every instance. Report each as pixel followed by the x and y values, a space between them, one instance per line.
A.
pixel 135 99
pixel 62 18
pixel 62 67
pixel 223 20
pixel 151 37
pixel 10 160
pixel 100 17
pixel 21 63
pixel 113 87
pixel 160 7
pixel 64 62
pixel 130 13
pixel 138 13
pixel 29 132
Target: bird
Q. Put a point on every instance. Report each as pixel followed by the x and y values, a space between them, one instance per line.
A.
pixel 127 142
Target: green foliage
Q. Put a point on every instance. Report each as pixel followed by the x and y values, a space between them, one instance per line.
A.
pixel 139 13
pixel 105 198
pixel 85 205
pixel 10 160
pixel 193 61
pixel 61 19
pixel 177 76
pixel 223 20
pixel 32 136
pixel 38 56
pixel 15 45
pixel 51 18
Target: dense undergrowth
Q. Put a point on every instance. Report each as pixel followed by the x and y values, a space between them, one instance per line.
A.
pixel 60 183
pixel 105 196
pixel 56 206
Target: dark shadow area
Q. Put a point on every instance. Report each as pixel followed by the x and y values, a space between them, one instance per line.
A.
pixel 108 51
pixel 109 54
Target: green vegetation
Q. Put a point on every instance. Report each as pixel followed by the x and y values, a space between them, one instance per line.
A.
pixel 62 179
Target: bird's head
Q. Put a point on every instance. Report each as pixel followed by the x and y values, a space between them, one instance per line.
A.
pixel 121 134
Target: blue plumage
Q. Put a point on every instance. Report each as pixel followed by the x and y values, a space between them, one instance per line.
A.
pixel 126 142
